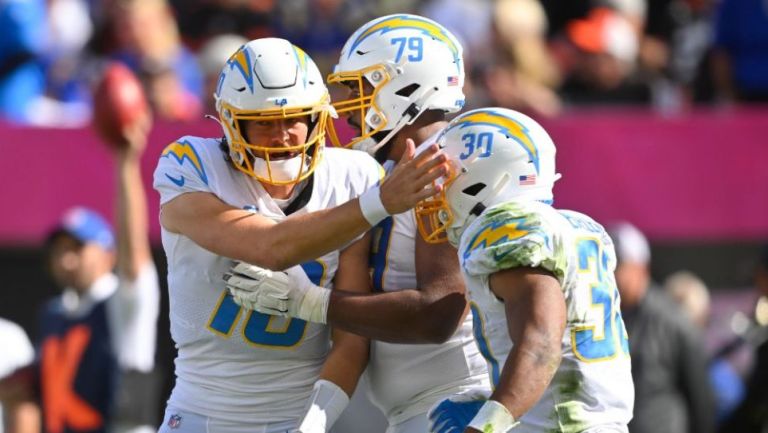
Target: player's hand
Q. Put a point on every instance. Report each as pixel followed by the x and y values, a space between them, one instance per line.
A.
pixel 136 133
pixel 134 137
pixel 411 181
pixel 454 414
pixel 288 293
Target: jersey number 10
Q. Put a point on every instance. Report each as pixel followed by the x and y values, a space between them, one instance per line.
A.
pixel 258 328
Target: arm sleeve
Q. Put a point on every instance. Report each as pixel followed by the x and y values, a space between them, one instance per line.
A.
pixel 181 169
pixel 510 236
pixel 133 312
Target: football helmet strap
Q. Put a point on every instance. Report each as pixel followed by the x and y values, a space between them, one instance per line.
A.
pixel 411 63
pixel 268 80
pixel 496 155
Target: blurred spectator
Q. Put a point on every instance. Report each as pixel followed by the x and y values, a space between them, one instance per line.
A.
pixel 674 46
pixel 598 60
pixel 752 415
pixel 321 27
pixel 213 56
pixel 521 74
pixel 669 365
pixel 148 42
pixel 18 414
pixel 692 295
pixel 634 10
pixel 22 79
pixel 740 62
pixel 469 20
pixel 97 343
pixel 560 13
pixel 67 99
pixel 200 20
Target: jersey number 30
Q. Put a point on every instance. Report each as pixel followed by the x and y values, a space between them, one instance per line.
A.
pixel 605 337
pixel 259 328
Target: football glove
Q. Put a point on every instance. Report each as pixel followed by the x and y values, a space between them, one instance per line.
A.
pixel 454 414
pixel 288 293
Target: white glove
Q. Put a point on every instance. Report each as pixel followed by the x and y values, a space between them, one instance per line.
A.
pixel 289 293
pixel 323 408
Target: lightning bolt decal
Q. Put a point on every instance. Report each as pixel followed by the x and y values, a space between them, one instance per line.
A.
pixel 497 232
pixel 408 22
pixel 301 59
pixel 506 126
pixel 242 61
pixel 183 151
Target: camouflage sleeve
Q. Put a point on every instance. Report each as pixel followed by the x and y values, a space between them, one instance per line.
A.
pixel 513 235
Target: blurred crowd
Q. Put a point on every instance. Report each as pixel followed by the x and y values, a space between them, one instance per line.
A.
pixel 539 56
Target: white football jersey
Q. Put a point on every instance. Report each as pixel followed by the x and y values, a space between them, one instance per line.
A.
pixel 407 379
pixel 593 385
pixel 232 364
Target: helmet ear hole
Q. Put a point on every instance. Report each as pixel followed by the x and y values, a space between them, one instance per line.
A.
pixel 474 190
pixel 408 90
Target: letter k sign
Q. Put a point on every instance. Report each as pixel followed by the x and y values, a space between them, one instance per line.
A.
pixel 59 364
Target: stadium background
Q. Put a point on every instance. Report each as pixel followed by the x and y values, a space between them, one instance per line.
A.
pixel 673 146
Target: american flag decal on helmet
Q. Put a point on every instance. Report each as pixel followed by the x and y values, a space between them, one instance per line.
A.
pixel 453 80
pixel 529 179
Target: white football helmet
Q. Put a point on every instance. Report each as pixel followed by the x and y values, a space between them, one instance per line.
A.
pixel 496 155
pixel 412 63
pixel 270 79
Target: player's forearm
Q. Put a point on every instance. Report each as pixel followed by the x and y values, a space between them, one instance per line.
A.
pixel 305 237
pixel 529 369
pixel 346 362
pixel 253 238
pixel 133 249
pixel 536 316
pixel 406 316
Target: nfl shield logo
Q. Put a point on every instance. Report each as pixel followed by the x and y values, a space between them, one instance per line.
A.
pixel 174 421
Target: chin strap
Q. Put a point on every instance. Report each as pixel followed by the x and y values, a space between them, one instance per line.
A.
pixel 409 116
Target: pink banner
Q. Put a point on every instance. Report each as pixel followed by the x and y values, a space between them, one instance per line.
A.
pixel 699 176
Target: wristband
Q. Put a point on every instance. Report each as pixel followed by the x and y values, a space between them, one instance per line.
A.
pixel 493 417
pixel 324 406
pixel 371 206
pixel 314 306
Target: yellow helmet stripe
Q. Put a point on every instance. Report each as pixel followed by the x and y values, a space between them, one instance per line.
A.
pixel 507 126
pixel 301 59
pixel 241 60
pixel 406 22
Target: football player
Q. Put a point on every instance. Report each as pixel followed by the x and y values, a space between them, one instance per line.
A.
pixel 260 195
pixel 404 74
pixel 540 282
